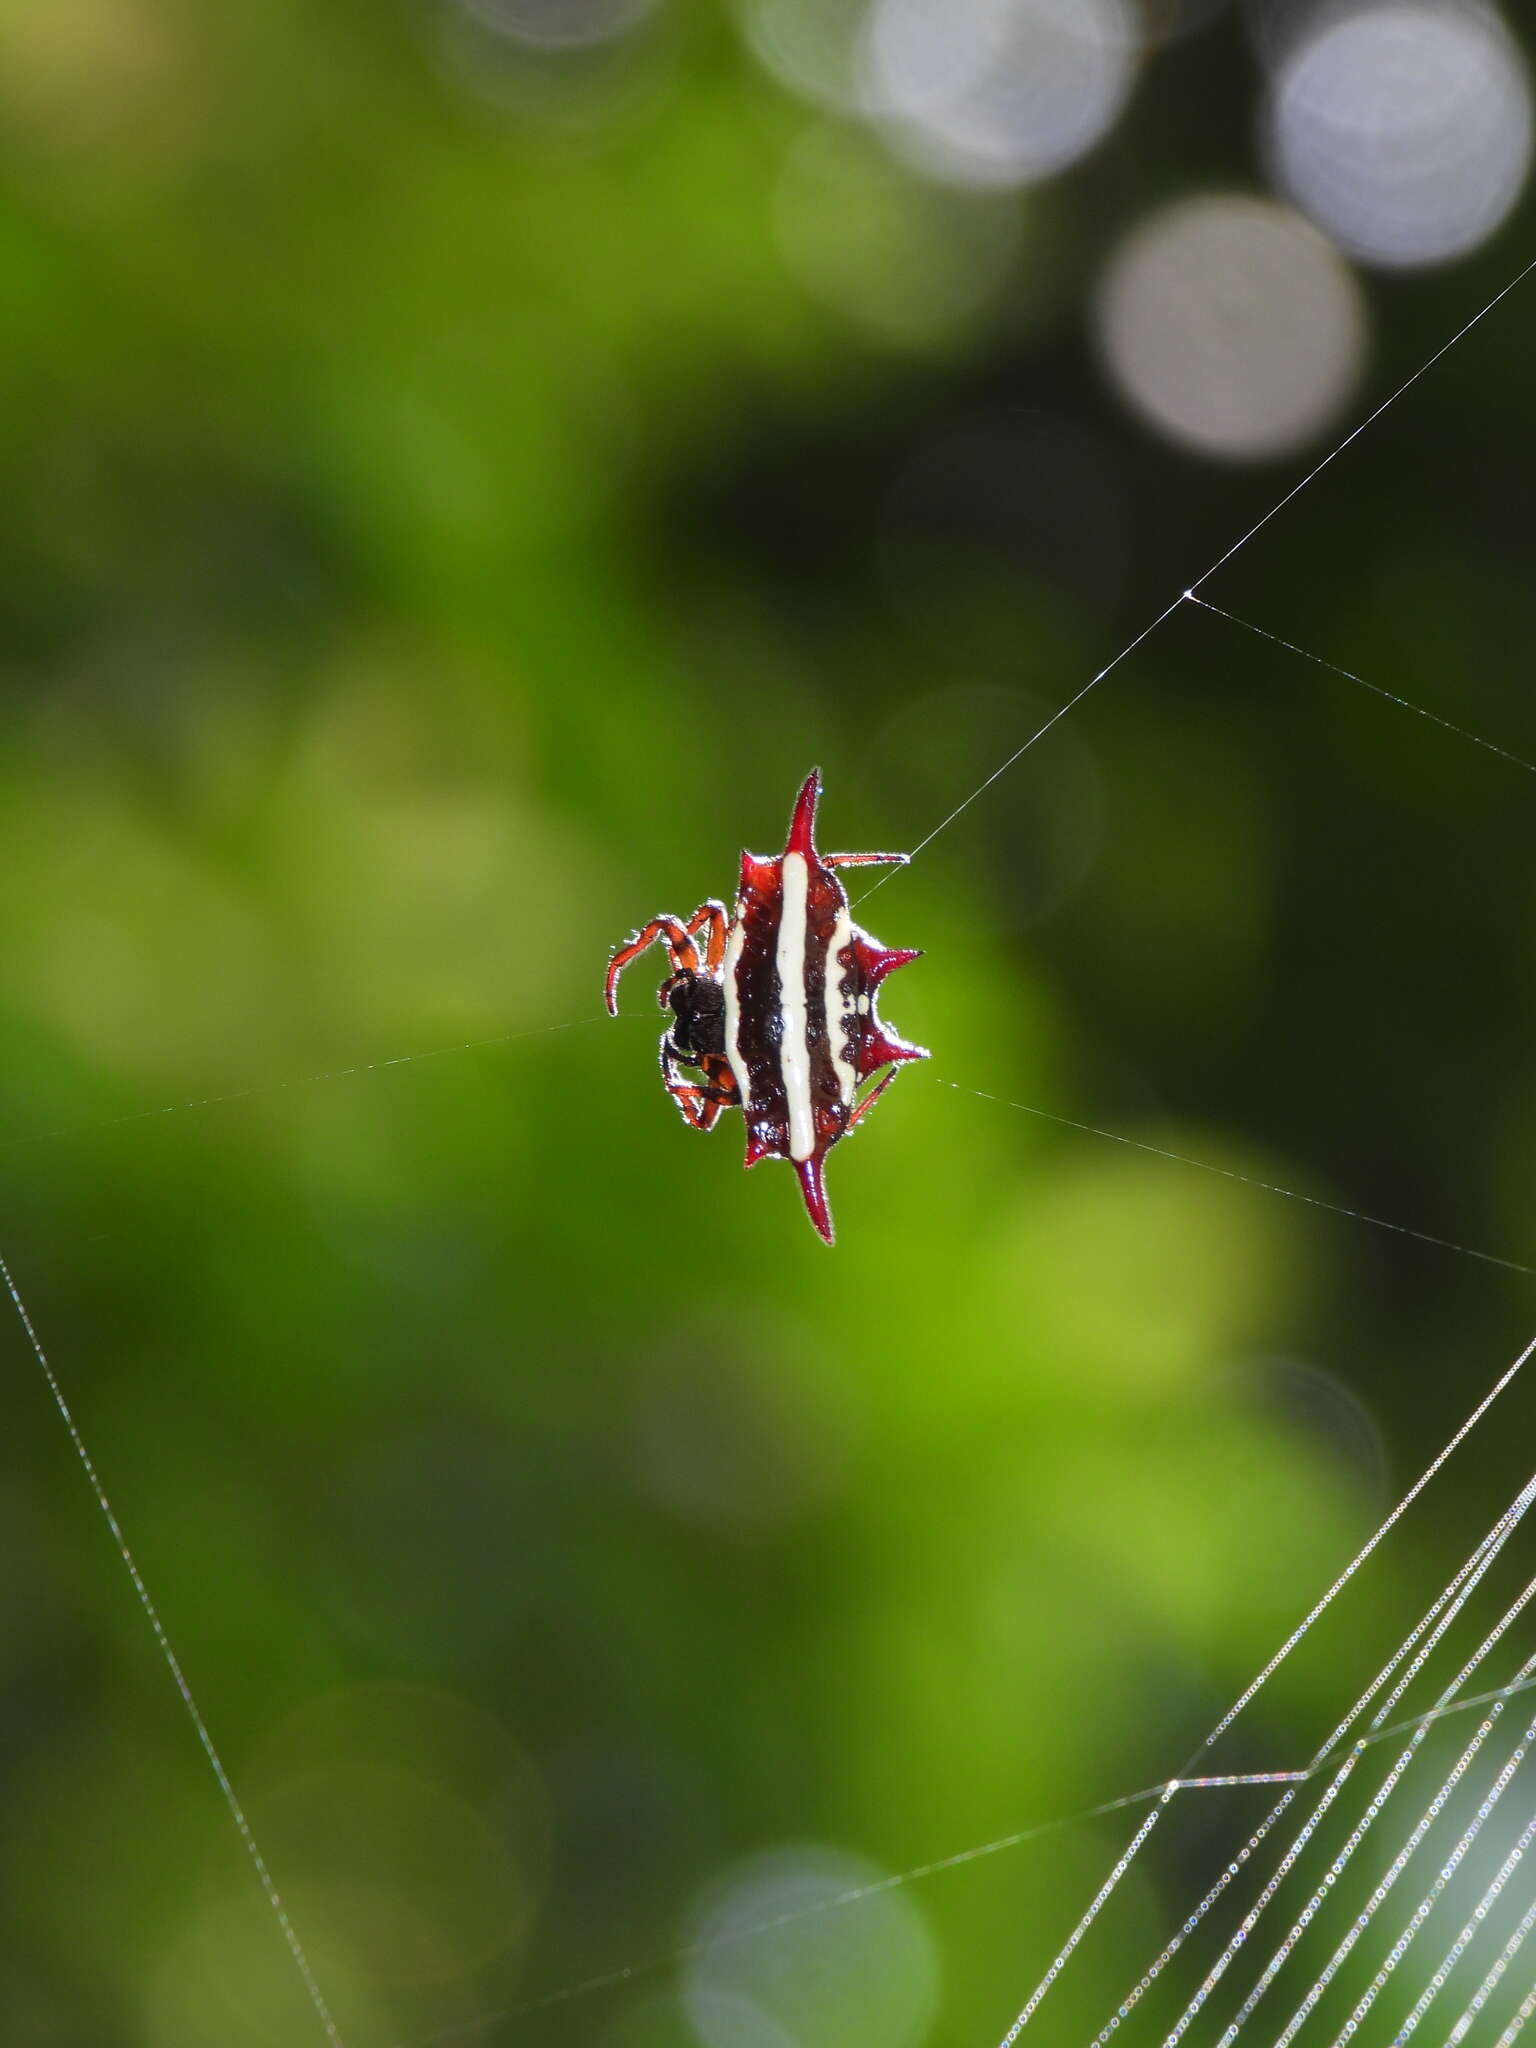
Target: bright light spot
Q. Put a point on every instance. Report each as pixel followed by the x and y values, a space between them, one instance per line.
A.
pixel 1404 129
pixel 809 45
pixel 904 259
pixel 1232 325
pixel 558 24
pixel 821 1978
pixel 998 92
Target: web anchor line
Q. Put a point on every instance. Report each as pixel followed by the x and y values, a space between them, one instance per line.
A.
pixel 1376 690
pixel 158 1630
pixel 294 1083
pixel 1185 596
pixel 1188 594
pixel 1038 734
pixel 1248 1180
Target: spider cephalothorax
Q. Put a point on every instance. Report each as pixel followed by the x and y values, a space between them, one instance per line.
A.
pixel 778 1015
pixel 697 1000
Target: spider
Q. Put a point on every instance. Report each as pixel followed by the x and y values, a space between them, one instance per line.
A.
pixel 778 1015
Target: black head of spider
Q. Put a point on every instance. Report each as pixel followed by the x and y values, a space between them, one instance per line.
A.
pixel 775 1005
pixel 697 1001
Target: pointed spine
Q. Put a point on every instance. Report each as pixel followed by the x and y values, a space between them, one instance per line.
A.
pixel 877 961
pixel 813 1187
pixel 879 1049
pixel 759 874
pixel 802 826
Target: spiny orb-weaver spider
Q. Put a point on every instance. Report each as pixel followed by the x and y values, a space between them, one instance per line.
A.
pixel 779 1016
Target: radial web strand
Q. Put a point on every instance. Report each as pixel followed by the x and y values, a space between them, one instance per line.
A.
pixel 173 1663
pixel 1189 593
pixel 1376 689
pixel 1445 1244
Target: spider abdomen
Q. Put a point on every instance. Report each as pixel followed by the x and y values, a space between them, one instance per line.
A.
pixel 800 1024
pixel 780 1017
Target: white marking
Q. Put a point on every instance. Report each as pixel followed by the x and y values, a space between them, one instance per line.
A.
pixel 733 946
pixel 794 1049
pixel 840 1009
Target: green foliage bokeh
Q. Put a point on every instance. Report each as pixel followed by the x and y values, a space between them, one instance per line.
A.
pixel 442 528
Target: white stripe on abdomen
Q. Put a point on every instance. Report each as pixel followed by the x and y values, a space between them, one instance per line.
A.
pixel 839 1009
pixel 733 948
pixel 794 1050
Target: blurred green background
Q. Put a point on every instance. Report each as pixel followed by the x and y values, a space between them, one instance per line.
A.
pixel 465 463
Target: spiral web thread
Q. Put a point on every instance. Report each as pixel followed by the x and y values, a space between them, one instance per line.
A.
pixel 1433 1625
pixel 1484 1867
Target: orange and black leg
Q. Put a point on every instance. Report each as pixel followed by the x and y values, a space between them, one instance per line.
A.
pixel 871 1099
pixel 711 917
pixel 700 1101
pixel 678 939
pixel 672 933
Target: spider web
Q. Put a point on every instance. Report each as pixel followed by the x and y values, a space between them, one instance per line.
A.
pixel 1273 1935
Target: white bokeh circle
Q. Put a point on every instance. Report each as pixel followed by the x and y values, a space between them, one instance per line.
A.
pixel 1232 325
pixel 810 1978
pixel 998 93
pixel 1403 128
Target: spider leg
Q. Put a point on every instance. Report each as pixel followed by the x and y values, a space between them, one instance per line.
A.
pixel 699 1107
pixel 871 1099
pixel 713 915
pixel 865 860
pixel 700 1101
pixel 672 933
